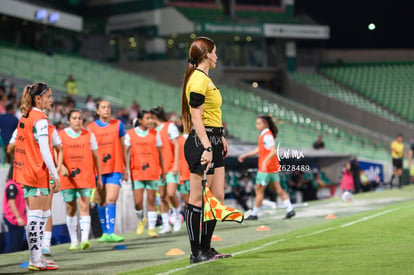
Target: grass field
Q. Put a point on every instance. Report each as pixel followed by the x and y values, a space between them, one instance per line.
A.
pixel 373 235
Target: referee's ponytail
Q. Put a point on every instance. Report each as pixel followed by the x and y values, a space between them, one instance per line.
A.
pixel 271 124
pixel 198 51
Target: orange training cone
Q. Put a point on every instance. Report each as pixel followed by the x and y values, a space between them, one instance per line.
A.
pixel 175 252
pixel 262 228
pixel 216 238
pixel 330 216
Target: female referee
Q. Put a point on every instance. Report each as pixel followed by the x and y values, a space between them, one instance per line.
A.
pixel 206 146
pixel 33 165
pixel 268 165
pixel 81 160
pixel 109 134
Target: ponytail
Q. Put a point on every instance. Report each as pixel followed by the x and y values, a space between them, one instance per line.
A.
pixel 198 51
pixel 159 113
pixel 26 102
pixel 271 124
pixel 185 107
pixel 29 94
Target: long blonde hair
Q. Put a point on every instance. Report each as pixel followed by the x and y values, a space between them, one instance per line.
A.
pixel 29 93
pixel 198 51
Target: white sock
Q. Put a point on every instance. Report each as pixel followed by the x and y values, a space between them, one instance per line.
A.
pixel 152 219
pixel 255 211
pixel 177 214
pixel 72 224
pixel 47 238
pixel 34 218
pixel 85 227
pixel 288 205
pixel 347 196
pixel 140 214
pixel 165 219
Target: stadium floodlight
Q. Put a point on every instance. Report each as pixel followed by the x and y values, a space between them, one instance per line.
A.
pixel 41 14
pixel 371 26
pixel 54 17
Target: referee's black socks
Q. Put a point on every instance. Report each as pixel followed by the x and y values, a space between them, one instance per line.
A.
pixel 192 220
pixel 207 234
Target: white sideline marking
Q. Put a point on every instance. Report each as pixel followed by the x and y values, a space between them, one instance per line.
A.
pixel 316 232
pixel 233 254
pixel 258 247
pixel 300 236
pixel 369 217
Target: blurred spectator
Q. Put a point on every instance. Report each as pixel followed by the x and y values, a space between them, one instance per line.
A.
pixel 356 171
pixel 322 181
pixel 90 103
pixel 179 123
pixel 56 113
pixel 304 183
pixel 88 117
pixel 172 116
pixel 368 185
pixel 12 95
pixel 71 105
pixel 59 126
pixel 3 103
pixel 242 189
pixel 3 86
pixel 8 123
pixel 133 110
pixel 70 85
pixel 347 183
pixel 319 144
pixel 397 152
pixel 226 131
pixel 14 215
pixel 123 115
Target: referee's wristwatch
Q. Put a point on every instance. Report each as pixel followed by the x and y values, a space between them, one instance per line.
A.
pixel 208 149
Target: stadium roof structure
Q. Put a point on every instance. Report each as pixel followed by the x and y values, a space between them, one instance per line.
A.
pixel 209 18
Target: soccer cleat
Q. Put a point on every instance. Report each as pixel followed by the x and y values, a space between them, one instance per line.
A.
pixel 74 247
pixel 200 257
pixel 44 265
pixel 46 251
pixel 165 230
pixel 214 254
pixel 152 233
pixel 115 238
pixel 104 238
pixel 290 214
pixel 177 224
pixel 49 262
pixel 85 245
pixel 252 218
pixel 141 227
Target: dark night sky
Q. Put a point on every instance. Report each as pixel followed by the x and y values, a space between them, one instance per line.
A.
pixel 349 21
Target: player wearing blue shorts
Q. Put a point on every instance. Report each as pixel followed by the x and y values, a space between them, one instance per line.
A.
pixel 109 134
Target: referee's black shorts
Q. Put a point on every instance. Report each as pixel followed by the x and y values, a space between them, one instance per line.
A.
pixel 193 149
pixel 397 163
